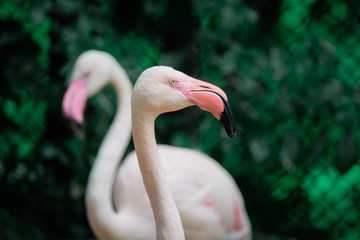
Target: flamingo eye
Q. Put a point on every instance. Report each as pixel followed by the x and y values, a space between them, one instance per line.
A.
pixel 173 82
pixel 86 74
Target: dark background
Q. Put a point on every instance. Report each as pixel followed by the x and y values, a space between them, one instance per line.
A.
pixel 291 72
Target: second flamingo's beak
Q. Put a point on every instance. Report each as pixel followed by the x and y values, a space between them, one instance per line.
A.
pixel 73 104
pixel 212 99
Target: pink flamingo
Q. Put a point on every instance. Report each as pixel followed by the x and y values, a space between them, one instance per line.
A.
pixel 206 197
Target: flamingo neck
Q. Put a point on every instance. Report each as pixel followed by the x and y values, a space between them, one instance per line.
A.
pixel 102 216
pixel 167 218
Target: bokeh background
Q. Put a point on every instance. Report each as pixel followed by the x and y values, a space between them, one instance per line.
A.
pixel 291 72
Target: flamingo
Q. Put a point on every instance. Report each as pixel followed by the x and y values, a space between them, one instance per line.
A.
pixel 118 205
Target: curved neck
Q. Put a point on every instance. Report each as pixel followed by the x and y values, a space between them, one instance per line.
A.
pixel 101 214
pixel 167 218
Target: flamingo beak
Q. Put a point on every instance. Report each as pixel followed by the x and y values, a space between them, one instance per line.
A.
pixel 210 98
pixel 73 104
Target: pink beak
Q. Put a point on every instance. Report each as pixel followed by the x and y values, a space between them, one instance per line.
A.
pixel 73 104
pixel 209 98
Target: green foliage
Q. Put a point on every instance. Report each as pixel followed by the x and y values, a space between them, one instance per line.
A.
pixel 325 186
pixel 290 71
pixel 34 22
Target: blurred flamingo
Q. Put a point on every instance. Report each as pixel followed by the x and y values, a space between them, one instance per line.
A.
pixel 208 200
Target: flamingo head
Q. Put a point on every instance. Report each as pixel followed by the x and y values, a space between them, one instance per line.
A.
pixel 90 74
pixel 162 89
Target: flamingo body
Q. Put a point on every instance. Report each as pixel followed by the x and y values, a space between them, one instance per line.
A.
pixel 209 203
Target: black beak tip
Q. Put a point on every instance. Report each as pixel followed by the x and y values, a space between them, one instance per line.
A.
pixel 77 128
pixel 229 126
pixel 232 135
pixel 227 120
